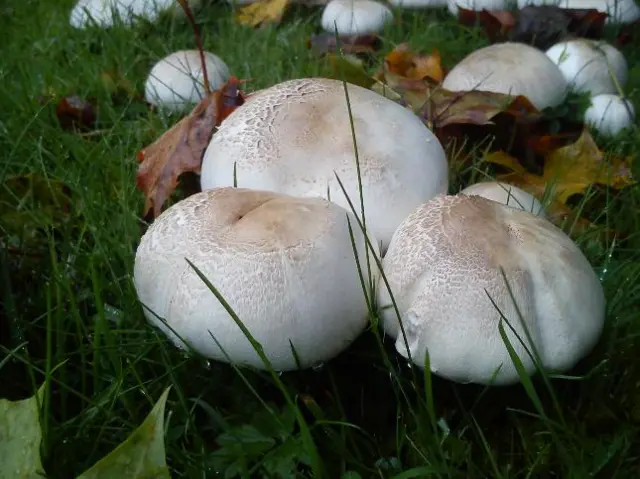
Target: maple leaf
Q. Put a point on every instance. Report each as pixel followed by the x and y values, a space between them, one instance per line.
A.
pixel 262 12
pixel 180 149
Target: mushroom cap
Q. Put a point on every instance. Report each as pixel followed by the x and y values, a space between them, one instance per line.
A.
pixel 177 81
pixel 102 12
pixel 443 265
pixel 510 68
pixel 285 265
pixel 609 114
pixel 588 65
pixel 294 138
pixel 507 195
pixel 619 11
pixel 355 17
pixel 418 3
pixel 476 5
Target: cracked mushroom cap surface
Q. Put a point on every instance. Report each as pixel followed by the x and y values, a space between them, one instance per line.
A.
pixel 176 81
pixel 295 137
pixel 355 17
pixel 443 266
pixel 285 265
pixel 507 195
pixel 510 68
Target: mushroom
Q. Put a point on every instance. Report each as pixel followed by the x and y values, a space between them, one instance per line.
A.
pixel 285 265
pixel 444 267
pixel 609 114
pixel 618 11
pixel 355 17
pixel 510 68
pixel 476 5
pixel 177 80
pixel 590 65
pixel 295 137
pixel 104 12
pixel 507 195
pixel 418 3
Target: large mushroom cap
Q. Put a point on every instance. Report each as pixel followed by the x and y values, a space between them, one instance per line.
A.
pixel 443 266
pixel 476 5
pixel 511 68
pixel 588 65
pixel 295 136
pixel 177 80
pixel 507 195
pixel 355 17
pixel 103 12
pixel 610 114
pixel 285 265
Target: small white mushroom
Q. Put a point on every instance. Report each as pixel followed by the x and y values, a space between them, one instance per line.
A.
pixel 511 68
pixel 618 11
pixel 610 114
pixel 177 81
pixel 294 137
pixel 355 17
pixel 103 12
pixel 507 195
pixel 285 265
pixel 476 5
pixel 590 65
pixel 444 269
pixel 418 3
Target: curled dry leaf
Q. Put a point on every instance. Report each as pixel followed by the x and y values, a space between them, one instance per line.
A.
pixel 262 12
pixel 408 68
pixel 180 149
pixel 74 113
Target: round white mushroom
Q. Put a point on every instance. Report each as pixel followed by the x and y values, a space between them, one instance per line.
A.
pixel 418 3
pixel 295 137
pixel 511 68
pixel 177 81
pixel 507 195
pixel 590 65
pixel 285 265
pixel 610 114
pixel 476 5
pixel 444 269
pixel 355 17
pixel 104 12
pixel 618 11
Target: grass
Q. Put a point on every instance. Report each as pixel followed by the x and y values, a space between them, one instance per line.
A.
pixel 70 312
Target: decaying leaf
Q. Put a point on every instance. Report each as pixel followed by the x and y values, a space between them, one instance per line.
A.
pixel 20 437
pixel 180 149
pixel 325 42
pixel 141 455
pixel 349 69
pixel 262 12
pixel 409 69
pixel 74 112
pixel 496 24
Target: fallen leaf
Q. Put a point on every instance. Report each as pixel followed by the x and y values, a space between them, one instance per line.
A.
pixel 627 33
pixel 496 24
pixel 262 12
pixel 180 149
pixel 349 69
pixel 20 437
pixel 324 43
pixel 74 112
pixel 141 455
pixel 408 67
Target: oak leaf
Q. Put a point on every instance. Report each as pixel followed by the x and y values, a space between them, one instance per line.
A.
pixel 262 12
pixel 180 149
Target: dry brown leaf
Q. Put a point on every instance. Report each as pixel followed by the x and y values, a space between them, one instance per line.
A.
pixel 262 12
pixel 408 67
pixel 180 149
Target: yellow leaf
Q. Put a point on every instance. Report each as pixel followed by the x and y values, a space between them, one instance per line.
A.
pixel 503 159
pixel 574 167
pixel 262 12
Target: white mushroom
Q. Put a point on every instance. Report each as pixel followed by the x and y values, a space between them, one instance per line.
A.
pixel 355 17
pixel 590 65
pixel 103 12
pixel 476 5
pixel 285 265
pixel 507 195
pixel 511 68
pixel 618 11
pixel 418 3
pixel 177 81
pixel 609 114
pixel 443 267
pixel 295 137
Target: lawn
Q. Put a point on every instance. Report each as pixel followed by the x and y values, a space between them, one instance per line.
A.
pixel 71 222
